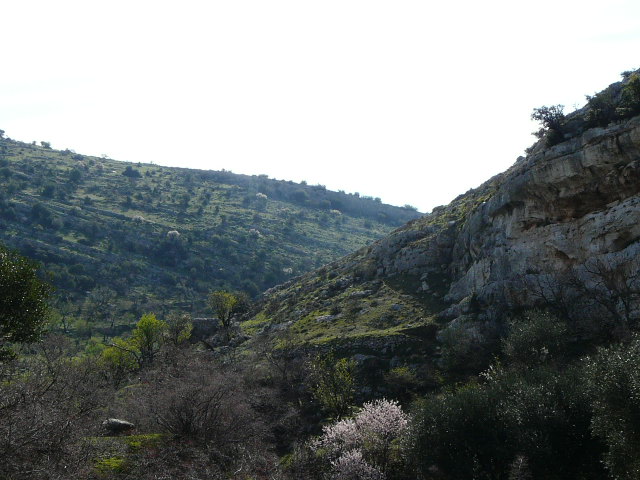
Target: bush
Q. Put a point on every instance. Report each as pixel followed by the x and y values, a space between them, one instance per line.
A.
pixel 466 348
pixel 460 434
pixel 552 121
pixel 630 102
pixel 602 109
pixel 534 338
pixel 131 172
pixel 23 300
pixel 537 419
pixel 363 445
pixel 200 404
pixel 46 414
pixel 613 379
pixel 332 383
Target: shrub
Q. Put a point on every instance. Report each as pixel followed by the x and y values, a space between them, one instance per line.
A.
pixel 630 102
pixel 332 383
pixel 613 379
pixel 552 121
pixel 362 445
pixel 534 338
pixel 131 172
pixel 601 109
pixel 459 433
pixel 482 430
pixel 466 348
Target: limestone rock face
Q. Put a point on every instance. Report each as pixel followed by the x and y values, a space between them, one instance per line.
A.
pixel 552 213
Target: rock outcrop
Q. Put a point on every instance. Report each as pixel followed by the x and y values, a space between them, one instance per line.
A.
pixel 572 209
pixel 550 212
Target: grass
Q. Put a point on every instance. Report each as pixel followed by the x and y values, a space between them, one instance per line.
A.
pixel 114 453
pixel 89 237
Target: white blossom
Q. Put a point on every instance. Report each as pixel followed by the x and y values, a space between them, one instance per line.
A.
pixel 351 466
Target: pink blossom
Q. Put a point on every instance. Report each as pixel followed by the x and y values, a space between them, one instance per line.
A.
pixel 351 466
pixel 350 443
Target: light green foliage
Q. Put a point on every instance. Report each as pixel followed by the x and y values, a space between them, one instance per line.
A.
pixel 223 303
pixel 148 337
pixel 178 329
pixel 332 383
pixel 119 360
pixel 123 356
pixel 111 465
pixel 140 442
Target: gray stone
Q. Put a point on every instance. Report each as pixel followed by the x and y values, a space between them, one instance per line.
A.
pixel 116 426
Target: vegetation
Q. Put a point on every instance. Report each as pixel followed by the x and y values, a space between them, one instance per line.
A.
pixel 141 237
pixel 552 119
pixel 618 102
pixel 347 373
pixel 23 301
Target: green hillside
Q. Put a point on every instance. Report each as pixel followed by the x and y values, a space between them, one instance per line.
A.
pixel 166 236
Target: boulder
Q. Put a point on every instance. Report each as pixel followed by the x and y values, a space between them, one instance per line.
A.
pixel 115 426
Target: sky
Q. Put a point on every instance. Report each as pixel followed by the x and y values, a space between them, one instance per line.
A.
pixel 411 101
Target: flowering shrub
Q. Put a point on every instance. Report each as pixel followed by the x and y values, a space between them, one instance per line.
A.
pixel 360 447
pixel 351 466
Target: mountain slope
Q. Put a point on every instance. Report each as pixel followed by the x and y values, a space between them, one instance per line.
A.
pixel 164 235
pixel 560 229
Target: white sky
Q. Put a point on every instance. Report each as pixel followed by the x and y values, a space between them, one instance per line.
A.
pixel 411 101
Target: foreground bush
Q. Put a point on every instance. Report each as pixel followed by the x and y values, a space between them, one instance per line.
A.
pixel 614 386
pixel 363 446
pixel 534 422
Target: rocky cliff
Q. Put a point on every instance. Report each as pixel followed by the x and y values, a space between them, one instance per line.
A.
pixel 567 211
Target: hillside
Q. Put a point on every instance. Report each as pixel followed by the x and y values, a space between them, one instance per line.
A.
pixel 561 223
pixel 496 338
pixel 155 235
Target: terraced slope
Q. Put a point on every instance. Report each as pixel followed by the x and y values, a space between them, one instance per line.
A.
pixel 158 235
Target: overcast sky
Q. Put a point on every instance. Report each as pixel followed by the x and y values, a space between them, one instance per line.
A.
pixel 411 101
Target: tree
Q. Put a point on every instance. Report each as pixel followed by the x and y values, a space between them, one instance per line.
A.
pixel 552 120
pixel 179 328
pixel 131 172
pixel 148 337
pixel 140 350
pixel 99 304
pixel 360 447
pixel 333 383
pixel 23 300
pixel 223 304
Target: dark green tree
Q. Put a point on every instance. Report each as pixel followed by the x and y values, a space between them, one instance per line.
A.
pixel 131 172
pixel 552 121
pixel 23 301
